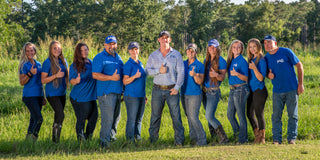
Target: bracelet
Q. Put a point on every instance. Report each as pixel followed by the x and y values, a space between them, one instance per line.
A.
pixel 30 74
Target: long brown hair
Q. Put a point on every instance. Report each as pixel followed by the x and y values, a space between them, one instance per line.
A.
pixel 214 64
pixel 230 54
pixel 251 55
pixel 78 61
pixel 55 67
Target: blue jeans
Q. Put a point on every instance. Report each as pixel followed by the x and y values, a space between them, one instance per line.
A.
pixel 85 111
pixel 157 104
pixel 135 110
pixel 110 115
pixel 191 104
pixel 213 98
pixel 279 100
pixel 237 103
pixel 34 105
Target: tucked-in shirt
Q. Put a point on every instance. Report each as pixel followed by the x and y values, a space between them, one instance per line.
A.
pixel 33 88
pixel 107 64
pixel 175 68
pixel 282 66
pixel 137 88
pixel 222 66
pixel 254 83
pixel 61 88
pixel 84 91
pixel 190 87
pixel 241 66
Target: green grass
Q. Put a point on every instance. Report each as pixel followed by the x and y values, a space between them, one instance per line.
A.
pixel 14 119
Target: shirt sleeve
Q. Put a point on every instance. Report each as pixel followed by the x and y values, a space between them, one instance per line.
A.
pixel 150 68
pixel 292 57
pixel 73 72
pixel 180 72
pixel 262 67
pixel 96 64
pixel 24 69
pixel 46 66
pixel 127 69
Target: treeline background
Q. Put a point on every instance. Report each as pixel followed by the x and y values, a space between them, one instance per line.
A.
pixel 141 20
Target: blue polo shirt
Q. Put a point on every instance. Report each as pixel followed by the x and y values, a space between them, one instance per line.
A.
pixel 50 89
pixel 282 66
pixel 107 64
pixel 136 88
pixel 84 91
pixel 241 66
pixel 254 83
pixel 190 87
pixel 222 66
pixel 33 88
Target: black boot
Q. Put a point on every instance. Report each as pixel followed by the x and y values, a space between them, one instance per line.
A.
pixel 56 130
pixel 222 135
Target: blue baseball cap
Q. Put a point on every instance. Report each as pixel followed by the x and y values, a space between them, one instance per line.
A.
pixel 110 39
pixel 213 42
pixel 133 45
pixel 269 38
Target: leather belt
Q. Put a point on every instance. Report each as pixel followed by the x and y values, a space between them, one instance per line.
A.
pixel 161 87
pixel 237 85
pixel 205 89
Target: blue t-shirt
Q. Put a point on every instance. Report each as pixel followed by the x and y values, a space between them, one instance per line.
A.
pixel 84 91
pixel 50 89
pixel 254 83
pixel 107 64
pixel 33 88
pixel 241 66
pixel 282 66
pixel 136 88
pixel 190 87
pixel 222 66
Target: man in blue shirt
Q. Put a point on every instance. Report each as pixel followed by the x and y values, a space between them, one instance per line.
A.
pixel 286 87
pixel 107 69
pixel 166 65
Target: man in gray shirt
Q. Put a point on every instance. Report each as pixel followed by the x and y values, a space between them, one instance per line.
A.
pixel 166 65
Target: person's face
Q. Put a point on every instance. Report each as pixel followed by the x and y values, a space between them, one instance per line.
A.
pixel 253 48
pixel 236 49
pixel 111 47
pixel 212 50
pixel 30 52
pixel 134 53
pixel 84 51
pixel 191 54
pixel 56 50
pixel 164 40
pixel 269 45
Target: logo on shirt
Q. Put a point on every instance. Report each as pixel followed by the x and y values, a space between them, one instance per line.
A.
pixel 235 65
pixel 280 61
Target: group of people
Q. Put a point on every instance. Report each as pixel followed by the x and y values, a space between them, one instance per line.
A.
pixel 107 78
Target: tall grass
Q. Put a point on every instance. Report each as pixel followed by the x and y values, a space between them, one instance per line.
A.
pixel 14 115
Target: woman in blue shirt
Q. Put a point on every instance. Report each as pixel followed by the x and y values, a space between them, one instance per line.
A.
pixel 258 92
pixel 55 76
pixel 215 71
pixel 191 95
pixel 238 73
pixel 83 94
pixel 30 78
pixel 134 79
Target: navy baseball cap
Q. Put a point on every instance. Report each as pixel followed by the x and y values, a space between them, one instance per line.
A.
pixel 133 45
pixel 162 33
pixel 213 42
pixel 269 38
pixel 193 46
pixel 110 39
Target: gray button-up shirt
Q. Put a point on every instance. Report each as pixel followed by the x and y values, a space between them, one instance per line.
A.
pixel 175 68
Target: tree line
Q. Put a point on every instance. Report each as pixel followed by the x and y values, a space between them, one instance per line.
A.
pixel 141 20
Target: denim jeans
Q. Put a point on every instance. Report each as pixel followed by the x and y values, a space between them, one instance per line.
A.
pixel 213 98
pixel 135 110
pixel 34 105
pixel 237 104
pixel 110 115
pixel 58 103
pixel 191 104
pixel 157 104
pixel 279 100
pixel 85 111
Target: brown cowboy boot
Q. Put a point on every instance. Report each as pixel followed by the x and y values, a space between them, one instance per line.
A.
pixel 257 135
pixel 262 136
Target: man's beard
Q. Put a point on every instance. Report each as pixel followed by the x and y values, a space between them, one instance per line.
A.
pixel 112 50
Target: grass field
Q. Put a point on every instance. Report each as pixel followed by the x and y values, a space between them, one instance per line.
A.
pixel 14 119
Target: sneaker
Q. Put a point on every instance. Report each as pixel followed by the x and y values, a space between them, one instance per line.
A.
pixel 292 142
pixel 276 143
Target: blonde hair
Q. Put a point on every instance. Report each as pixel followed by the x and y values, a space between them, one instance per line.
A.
pixel 23 56
pixel 214 63
pixel 230 54
pixel 55 67
pixel 251 55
